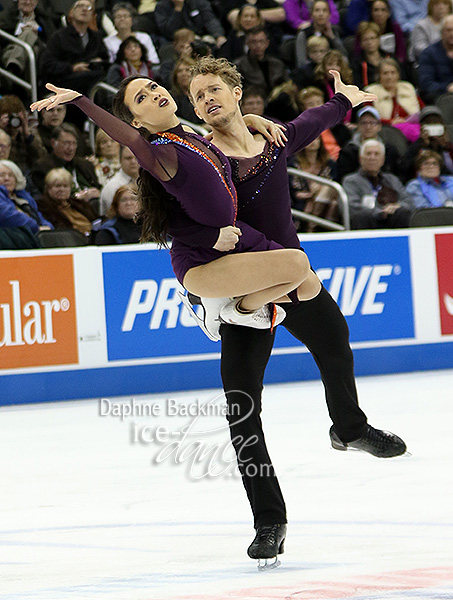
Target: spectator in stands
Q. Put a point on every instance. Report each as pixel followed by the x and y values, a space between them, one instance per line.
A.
pixel 282 102
pixel 430 189
pixel 435 69
pixel 299 14
pixel 106 157
pixel 324 79
pixel 54 117
pixel 17 207
pixel 257 67
pixel 197 15
pixel 360 10
pixel 182 46
pixel 64 149
pixel 310 196
pixel 128 173
pixel 433 136
pixel 121 227
pixel 27 21
pixel 377 200
pixel 304 74
pixel 392 40
pixel 132 59
pixel 180 90
pixel 427 30
pixel 123 14
pixel 253 101
pixel 5 144
pixel 397 100
pixel 365 68
pixel 249 17
pixel 271 11
pixel 26 143
pixel 75 55
pixel 333 139
pixel 368 128
pixel 61 207
pixel 408 12
pixel 321 25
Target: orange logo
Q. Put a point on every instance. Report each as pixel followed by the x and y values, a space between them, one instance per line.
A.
pixel 37 312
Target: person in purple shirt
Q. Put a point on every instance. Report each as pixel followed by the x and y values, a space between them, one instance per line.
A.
pixel 260 175
pixel 184 176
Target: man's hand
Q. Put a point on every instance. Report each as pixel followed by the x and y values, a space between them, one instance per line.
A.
pixel 228 238
pixel 352 92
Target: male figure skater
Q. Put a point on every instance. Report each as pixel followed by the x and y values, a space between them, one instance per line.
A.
pixel 261 181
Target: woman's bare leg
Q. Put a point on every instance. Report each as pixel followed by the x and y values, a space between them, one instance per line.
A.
pixel 307 290
pixel 259 276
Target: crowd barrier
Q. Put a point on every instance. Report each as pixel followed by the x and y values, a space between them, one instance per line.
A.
pixel 107 321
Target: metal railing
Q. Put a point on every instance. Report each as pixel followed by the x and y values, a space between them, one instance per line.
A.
pixel 32 85
pixel 342 200
pixel 101 85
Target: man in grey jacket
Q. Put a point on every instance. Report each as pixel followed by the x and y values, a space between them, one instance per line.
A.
pixel 377 200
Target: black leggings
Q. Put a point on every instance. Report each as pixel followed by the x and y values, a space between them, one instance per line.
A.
pixel 321 326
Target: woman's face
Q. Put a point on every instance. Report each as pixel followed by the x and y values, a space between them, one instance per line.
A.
pixel 108 148
pixel 249 18
pixel 429 168
pixel 320 13
pixel 333 64
pixel 151 104
pixel 370 42
pixel 123 20
pixel 133 52
pixel 183 76
pixel 317 53
pixel 59 190
pixel 128 205
pixel 440 10
pixel 7 178
pixel 389 76
pixel 380 13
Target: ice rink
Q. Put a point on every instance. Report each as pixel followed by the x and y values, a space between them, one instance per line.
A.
pixel 95 506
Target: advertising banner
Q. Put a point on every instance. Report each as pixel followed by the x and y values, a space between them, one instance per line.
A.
pixel 444 254
pixel 37 312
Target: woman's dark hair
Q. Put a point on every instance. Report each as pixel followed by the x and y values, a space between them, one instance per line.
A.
pixel 154 200
pixel 120 55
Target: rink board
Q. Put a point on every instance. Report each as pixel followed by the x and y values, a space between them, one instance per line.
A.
pixel 98 322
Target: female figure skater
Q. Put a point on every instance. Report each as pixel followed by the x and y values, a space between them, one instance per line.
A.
pixel 196 177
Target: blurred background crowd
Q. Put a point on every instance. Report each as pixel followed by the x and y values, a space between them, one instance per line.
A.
pixel 392 158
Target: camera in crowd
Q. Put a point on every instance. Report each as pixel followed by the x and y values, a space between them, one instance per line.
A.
pixel 14 121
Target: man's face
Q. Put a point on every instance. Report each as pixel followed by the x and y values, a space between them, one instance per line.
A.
pixel 258 44
pixel 372 160
pixel 253 105
pixel 129 163
pixel 215 102
pixel 447 32
pixel 368 126
pixel 27 6
pixel 54 117
pixel 65 147
pixel 82 11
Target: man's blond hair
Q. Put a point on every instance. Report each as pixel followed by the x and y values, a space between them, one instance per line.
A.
pixel 208 65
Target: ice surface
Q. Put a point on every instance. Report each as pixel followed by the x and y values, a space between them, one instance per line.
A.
pixel 90 508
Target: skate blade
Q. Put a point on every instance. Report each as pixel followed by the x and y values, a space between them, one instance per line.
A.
pixel 265 565
pixel 199 321
pixel 406 454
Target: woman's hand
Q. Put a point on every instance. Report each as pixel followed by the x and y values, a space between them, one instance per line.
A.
pixel 62 95
pixel 228 238
pixel 273 132
pixel 352 92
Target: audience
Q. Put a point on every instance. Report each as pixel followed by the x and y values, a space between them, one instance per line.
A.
pixel 299 16
pixel 106 157
pixel 128 173
pixel 132 59
pixel 427 30
pixel 391 39
pixel 17 207
pixel 365 67
pixel 180 90
pixel 248 17
pixel 253 101
pixel 430 189
pixel 435 69
pixel 123 14
pixel 377 200
pixel 54 117
pixel 121 227
pixel 61 207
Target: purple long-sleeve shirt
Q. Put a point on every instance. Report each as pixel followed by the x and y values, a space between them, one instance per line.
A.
pixel 198 175
pixel 262 184
pixel 297 12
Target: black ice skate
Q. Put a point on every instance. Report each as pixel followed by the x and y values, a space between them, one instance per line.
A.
pixel 268 543
pixel 382 444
